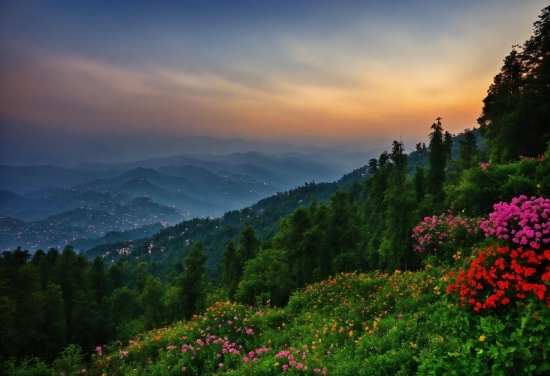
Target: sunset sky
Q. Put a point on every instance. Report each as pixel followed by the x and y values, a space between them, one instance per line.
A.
pixel 303 72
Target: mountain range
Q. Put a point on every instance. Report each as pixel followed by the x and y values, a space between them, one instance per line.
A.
pixel 51 206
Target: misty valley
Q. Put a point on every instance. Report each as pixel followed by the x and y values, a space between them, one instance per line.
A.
pixel 45 206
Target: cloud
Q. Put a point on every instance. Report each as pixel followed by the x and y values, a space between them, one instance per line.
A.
pixel 358 75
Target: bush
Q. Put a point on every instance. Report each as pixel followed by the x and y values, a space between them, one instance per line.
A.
pixel 444 235
pixel 523 221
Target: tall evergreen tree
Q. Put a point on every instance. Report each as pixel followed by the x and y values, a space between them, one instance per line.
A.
pixel 438 155
pixel 396 249
pixel 232 269
pixel 468 150
pixel 192 282
pixel 419 182
pixel 515 119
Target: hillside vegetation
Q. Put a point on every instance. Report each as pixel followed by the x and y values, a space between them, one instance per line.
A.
pixel 446 271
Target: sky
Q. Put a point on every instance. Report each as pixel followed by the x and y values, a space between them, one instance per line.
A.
pixel 349 74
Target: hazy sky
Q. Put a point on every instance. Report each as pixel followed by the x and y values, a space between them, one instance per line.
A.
pixel 315 72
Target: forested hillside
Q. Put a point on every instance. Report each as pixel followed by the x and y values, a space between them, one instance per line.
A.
pixel 441 270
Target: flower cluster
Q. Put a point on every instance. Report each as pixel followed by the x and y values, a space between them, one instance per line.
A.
pixel 496 278
pixel 484 165
pixel 523 221
pixel 296 359
pixel 435 232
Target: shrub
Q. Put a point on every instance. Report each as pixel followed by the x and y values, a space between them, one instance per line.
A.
pixel 442 235
pixel 498 278
pixel 522 221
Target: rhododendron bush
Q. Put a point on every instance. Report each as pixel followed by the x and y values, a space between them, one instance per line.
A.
pixel 496 278
pixel 523 221
pixel 505 291
pixel 442 235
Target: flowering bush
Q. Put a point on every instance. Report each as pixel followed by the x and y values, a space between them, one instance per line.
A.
pixel 442 234
pixel 496 278
pixel 522 221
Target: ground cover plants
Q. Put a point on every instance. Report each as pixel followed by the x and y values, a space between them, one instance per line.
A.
pixel 331 327
pixel 485 312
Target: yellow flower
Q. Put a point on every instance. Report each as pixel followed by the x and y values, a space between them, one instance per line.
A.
pixel 482 338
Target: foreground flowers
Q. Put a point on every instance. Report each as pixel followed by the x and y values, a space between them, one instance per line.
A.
pixel 496 278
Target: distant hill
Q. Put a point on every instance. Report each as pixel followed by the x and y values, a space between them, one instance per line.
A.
pixel 50 198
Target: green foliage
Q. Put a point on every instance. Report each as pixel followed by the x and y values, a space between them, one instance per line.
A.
pixel 192 282
pixel 399 200
pixel 516 112
pixel 70 361
pixel 232 269
pixel 27 367
pixel 438 155
pixel 151 301
pixel 267 280
pixel 469 153
pixel 481 187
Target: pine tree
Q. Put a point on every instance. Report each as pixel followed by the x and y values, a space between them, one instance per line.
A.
pixel 515 119
pixel 468 150
pixel 192 282
pixel 232 269
pixel 400 203
pixel 438 155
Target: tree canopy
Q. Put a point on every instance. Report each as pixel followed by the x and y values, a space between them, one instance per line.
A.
pixel 515 118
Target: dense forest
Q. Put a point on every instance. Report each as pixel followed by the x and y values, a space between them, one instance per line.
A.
pixel 431 262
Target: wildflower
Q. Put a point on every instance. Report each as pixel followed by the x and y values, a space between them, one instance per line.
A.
pixel 482 338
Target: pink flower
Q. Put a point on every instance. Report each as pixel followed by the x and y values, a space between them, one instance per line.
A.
pixel 245 359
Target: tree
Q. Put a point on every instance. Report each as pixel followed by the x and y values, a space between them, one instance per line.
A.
pixel 234 259
pixel 515 119
pixel 55 326
pixel 300 253
pixel 192 282
pixel 248 244
pixel 232 269
pixel 152 303
pixel 123 308
pixel 438 155
pixel 344 233
pixel 419 183
pixel 267 279
pixel 468 150
pixel 396 247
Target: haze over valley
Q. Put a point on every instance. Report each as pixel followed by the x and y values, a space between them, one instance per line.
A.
pixel 50 206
